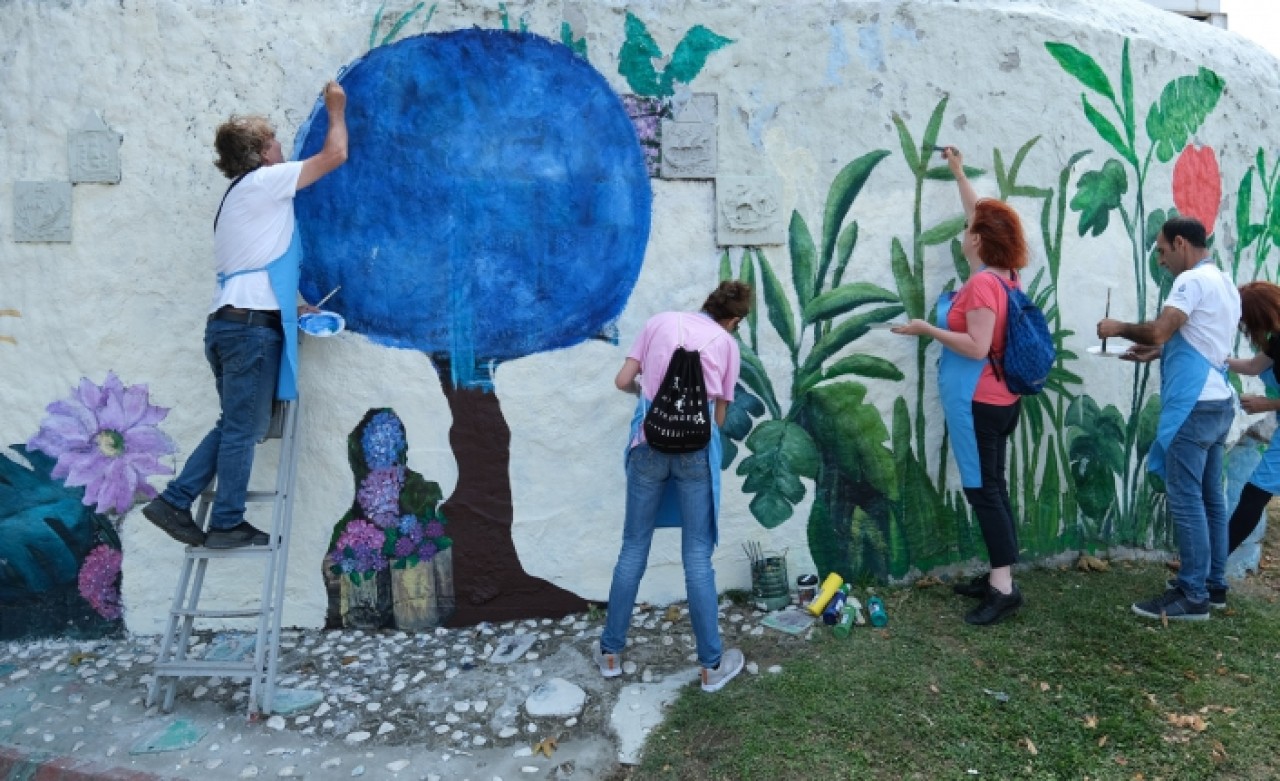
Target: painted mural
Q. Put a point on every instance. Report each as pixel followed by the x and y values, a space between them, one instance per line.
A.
pixel 507 201
pixel 60 551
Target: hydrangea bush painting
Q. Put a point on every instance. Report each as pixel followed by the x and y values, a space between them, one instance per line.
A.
pixel 89 464
pixel 390 557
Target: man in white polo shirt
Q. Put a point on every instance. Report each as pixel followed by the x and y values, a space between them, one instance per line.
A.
pixel 250 339
pixel 1196 329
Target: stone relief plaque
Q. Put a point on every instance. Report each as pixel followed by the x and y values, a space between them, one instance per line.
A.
pixel 749 211
pixel 689 138
pixel 42 211
pixel 94 152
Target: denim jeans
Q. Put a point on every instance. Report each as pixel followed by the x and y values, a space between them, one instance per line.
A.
pixel 245 361
pixel 648 473
pixel 1197 501
pixel 992 427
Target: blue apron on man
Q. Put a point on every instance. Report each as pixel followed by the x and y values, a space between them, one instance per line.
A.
pixel 1183 374
pixel 283 273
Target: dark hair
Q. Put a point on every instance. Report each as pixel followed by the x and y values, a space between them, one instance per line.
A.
pixel 1000 228
pixel 1189 228
pixel 240 142
pixel 1260 312
pixel 731 299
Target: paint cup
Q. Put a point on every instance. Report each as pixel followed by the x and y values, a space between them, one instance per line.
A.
pixel 769 582
pixel 806 588
pixel 322 323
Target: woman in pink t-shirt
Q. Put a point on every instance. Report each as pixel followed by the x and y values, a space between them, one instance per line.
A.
pixel 980 410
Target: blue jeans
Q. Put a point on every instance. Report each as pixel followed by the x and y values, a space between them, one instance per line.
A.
pixel 648 473
pixel 245 361
pixel 1197 501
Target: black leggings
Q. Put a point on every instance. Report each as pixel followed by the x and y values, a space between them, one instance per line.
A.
pixel 1253 500
pixel 992 427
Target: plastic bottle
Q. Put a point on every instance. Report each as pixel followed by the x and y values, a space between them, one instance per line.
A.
pixel 875 608
pixel 845 627
pixel 831 613
pixel 829 588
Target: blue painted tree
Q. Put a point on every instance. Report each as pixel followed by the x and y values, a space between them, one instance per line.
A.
pixel 495 205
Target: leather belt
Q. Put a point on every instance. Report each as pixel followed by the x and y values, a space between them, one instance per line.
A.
pixel 268 318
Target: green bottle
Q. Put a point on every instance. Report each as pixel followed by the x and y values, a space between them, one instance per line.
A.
pixel 845 626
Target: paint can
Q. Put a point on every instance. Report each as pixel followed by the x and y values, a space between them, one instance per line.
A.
pixel 806 588
pixel 770 588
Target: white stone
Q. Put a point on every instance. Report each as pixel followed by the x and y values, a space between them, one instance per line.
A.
pixel 775 669
pixel 330 763
pixel 398 765
pixel 523 751
pixel 357 737
pixel 753 668
pixel 507 732
pixel 288 771
pixel 320 711
pixel 555 697
pixel 276 723
pixel 249 772
pixel 385 727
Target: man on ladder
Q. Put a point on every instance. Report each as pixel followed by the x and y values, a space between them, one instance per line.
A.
pixel 251 337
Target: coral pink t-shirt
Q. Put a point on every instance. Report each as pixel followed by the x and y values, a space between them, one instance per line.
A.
pixel 657 342
pixel 985 290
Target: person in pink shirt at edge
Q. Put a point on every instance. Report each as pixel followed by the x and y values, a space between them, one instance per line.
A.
pixel 980 411
pixel 677 490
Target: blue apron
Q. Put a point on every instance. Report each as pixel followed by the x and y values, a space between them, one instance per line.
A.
pixel 958 378
pixel 1267 474
pixel 283 275
pixel 669 515
pixel 1183 373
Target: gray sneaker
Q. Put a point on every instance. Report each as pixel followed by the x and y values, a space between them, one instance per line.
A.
pixel 610 664
pixel 1217 596
pixel 1174 606
pixel 714 678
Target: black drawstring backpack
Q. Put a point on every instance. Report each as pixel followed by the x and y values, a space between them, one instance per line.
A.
pixel 679 418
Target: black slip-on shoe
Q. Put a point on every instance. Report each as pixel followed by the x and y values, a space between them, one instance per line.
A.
pixel 173 521
pixel 1217 596
pixel 1174 606
pixel 976 588
pixel 995 607
pixel 242 535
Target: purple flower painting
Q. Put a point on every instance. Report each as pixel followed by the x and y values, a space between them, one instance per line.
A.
pixel 99 581
pixel 358 551
pixel 105 439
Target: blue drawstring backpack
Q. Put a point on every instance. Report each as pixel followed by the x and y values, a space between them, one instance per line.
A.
pixel 1029 352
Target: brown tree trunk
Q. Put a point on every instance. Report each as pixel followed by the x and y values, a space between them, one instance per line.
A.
pixel 489 582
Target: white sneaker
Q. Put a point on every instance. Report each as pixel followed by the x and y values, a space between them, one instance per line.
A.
pixel 610 664
pixel 731 663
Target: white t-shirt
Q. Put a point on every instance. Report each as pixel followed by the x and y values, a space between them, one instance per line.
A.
pixel 255 228
pixel 1211 303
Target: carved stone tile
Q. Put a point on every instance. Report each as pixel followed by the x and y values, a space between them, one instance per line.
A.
pixel 42 211
pixel 94 152
pixel 749 211
pixel 689 138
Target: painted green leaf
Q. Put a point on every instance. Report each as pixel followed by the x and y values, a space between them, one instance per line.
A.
pixel 578 45
pixel 404 19
pixel 748 273
pixel 942 173
pixel 690 56
pixel 1002 176
pixel 840 197
pixel 738 422
pixel 908 144
pixel 1097 194
pixel 910 289
pixel 1096 450
pixel 635 58
pixel 959 261
pixel 1126 91
pixel 930 139
pixel 846 298
pixel 1082 67
pixel 1274 223
pixel 1244 205
pixel 754 376
pixel 726 270
pixel 1148 421
pixel 419 495
pixel 803 257
pixel 849 429
pixel 1184 105
pixel 840 336
pixel 844 250
pixel 1260 162
pixel 781 453
pixel 775 298
pixel 943 232
pixel 1018 159
pixel 864 366
pixel 1108 131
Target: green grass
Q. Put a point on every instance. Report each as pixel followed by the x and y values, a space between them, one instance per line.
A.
pixel 1091 690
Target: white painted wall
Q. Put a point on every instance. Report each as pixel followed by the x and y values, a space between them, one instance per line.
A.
pixel 806 87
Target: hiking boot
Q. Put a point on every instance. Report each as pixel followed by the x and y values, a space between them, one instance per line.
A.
pixel 976 588
pixel 1217 596
pixel 714 678
pixel 1173 605
pixel 242 535
pixel 995 607
pixel 173 521
pixel 610 664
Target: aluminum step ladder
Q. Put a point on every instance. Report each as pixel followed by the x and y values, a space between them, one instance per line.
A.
pixel 174 661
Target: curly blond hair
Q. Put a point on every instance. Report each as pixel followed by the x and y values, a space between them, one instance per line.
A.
pixel 240 142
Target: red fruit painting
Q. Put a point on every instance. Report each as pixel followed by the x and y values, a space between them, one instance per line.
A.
pixel 1197 185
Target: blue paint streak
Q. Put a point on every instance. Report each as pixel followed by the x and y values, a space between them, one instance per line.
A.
pixel 902 33
pixel 495 202
pixel 837 56
pixel 870 48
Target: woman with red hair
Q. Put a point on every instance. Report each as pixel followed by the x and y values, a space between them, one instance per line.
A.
pixel 980 410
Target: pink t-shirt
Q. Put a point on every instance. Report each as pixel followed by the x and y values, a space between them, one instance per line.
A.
pixel 657 342
pixel 984 291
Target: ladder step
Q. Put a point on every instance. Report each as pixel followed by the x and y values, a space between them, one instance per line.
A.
pixel 230 553
pixel 203 613
pixel 251 496
pixel 191 667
